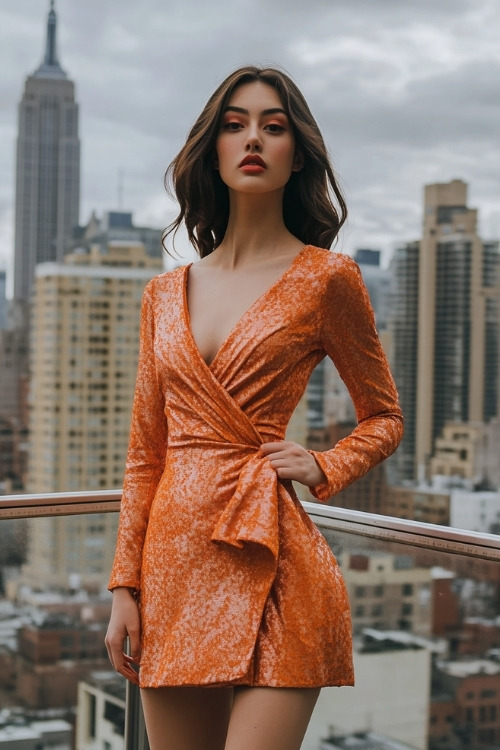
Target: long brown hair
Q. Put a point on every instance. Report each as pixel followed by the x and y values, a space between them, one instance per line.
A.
pixel 309 210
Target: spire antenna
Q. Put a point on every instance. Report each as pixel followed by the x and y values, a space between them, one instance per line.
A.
pixel 50 66
pixel 50 49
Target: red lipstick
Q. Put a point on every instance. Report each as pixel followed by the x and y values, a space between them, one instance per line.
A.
pixel 253 164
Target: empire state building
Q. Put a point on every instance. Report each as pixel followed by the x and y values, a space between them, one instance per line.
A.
pixel 48 167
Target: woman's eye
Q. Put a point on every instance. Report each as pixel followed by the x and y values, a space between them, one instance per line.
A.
pixel 274 127
pixel 231 125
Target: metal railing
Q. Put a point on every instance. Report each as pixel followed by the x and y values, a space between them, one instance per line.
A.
pixel 60 504
pixel 372 526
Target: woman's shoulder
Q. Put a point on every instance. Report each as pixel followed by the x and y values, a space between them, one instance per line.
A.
pixel 163 282
pixel 331 264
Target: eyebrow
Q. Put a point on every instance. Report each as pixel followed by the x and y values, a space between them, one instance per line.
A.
pixel 271 111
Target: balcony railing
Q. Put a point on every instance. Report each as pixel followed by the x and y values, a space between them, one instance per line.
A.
pixel 351 531
pixel 59 504
pixel 372 525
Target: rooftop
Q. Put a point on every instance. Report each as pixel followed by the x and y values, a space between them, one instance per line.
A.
pixel 469 667
pixel 400 639
pixel 363 741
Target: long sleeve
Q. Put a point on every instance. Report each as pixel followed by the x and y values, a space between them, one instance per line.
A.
pixel 145 457
pixel 350 339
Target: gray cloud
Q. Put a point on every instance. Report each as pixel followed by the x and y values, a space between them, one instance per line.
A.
pixel 404 94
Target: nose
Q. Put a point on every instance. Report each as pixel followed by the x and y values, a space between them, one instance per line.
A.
pixel 253 142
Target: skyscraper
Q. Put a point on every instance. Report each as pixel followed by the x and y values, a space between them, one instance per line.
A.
pixel 3 299
pixel 446 325
pixel 85 342
pixel 404 329
pixel 48 167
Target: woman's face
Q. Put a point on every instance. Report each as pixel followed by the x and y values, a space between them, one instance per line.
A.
pixel 256 145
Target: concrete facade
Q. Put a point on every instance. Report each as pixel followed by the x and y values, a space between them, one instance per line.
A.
pixel 101 712
pixel 84 359
pixel 388 592
pixel 468 451
pixel 384 699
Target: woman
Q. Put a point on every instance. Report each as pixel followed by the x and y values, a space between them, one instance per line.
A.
pixel 220 579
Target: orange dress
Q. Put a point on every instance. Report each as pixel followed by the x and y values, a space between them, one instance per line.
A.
pixel 237 586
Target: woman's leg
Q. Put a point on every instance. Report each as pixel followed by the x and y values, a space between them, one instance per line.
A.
pixel 270 718
pixel 185 718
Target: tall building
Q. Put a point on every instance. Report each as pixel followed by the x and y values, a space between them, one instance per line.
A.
pixel 14 363
pixel 445 326
pixel 85 342
pixel 48 167
pixel 404 328
pixel 3 299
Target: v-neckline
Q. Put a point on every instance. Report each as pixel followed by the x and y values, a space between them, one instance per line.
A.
pixel 241 319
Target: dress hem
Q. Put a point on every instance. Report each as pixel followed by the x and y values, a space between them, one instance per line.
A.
pixel 248 683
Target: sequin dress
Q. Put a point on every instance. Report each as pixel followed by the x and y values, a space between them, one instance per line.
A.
pixel 237 586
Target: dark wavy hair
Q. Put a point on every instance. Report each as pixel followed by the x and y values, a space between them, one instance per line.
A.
pixel 313 206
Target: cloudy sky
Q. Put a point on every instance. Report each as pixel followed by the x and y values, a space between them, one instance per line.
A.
pixel 406 93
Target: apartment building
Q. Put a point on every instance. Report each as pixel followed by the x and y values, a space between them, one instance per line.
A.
pixel 420 502
pixel 469 451
pixel 101 712
pixel 465 707
pixel 384 700
pixel 445 324
pixel 388 592
pixel 85 342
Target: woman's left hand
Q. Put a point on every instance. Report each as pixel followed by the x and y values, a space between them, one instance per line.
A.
pixel 292 461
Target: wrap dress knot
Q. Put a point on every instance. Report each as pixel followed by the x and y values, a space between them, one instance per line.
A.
pixel 237 585
pixel 252 513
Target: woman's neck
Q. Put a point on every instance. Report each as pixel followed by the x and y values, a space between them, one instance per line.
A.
pixel 255 230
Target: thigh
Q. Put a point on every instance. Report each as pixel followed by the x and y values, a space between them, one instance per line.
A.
pixel 185 718
pixel 270 718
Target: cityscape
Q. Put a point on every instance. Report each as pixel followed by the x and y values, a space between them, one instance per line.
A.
pixel 426 624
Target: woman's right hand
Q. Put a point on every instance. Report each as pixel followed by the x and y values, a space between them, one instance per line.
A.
pixel 124 621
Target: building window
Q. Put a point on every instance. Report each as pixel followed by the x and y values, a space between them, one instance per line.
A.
pixel 116 716
pixel 91 715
